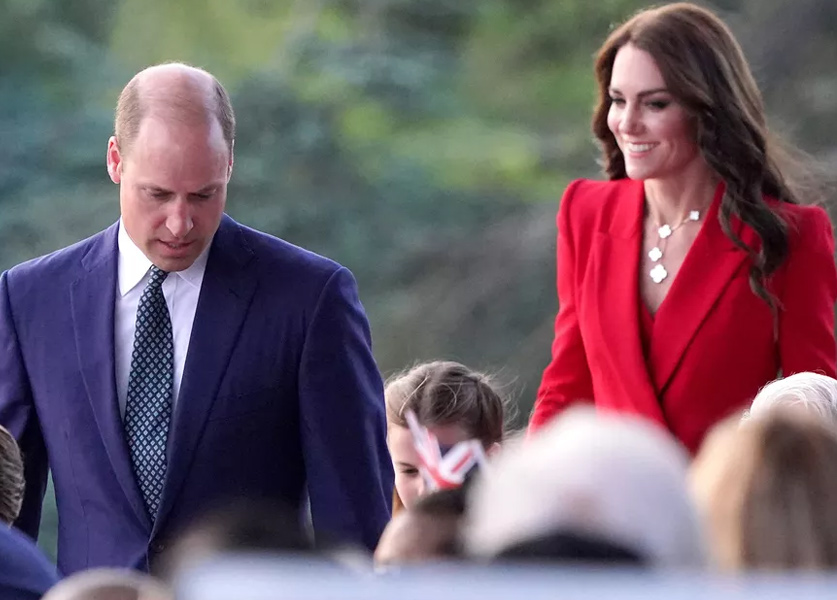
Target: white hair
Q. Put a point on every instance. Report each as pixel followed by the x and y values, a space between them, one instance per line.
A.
pixel 616 478
pixel 108 584
pixel 813 392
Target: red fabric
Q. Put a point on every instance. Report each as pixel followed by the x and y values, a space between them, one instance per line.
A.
pixel 711 344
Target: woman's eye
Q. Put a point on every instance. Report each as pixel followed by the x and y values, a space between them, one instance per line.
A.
pixel 617 101
pixel 658 104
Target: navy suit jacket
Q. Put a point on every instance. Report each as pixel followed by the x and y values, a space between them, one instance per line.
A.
pixel 279 389
pixel 25 573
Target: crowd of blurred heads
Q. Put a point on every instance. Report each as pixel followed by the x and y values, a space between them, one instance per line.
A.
pixel 594 489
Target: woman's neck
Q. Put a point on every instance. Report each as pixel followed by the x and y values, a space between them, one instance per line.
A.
pixel 670 200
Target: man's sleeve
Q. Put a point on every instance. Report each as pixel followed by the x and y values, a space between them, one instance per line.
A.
pixel 343 421
pixel 17 414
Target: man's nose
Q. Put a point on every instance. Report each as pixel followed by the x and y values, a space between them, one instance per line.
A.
pixel 179 220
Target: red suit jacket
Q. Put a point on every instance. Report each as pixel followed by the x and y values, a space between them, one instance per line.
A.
pixel 713 344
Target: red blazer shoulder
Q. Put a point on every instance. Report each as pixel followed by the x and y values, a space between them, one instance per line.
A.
pixel 809 226
pixel 806 286
pixel 588 198
pixel 588 203
pixel 589 207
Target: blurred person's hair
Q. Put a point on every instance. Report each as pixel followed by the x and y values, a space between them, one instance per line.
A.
pixel 109 584
pixel 429 530
pixel 705 70
pixel 12 482
pixel 615 479
pixel 767 488
pixel 807 391
pixel 567 547
pixel 135 103
pixel 448 393
pixel 244 526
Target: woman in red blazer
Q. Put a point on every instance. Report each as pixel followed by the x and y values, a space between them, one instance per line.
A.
pixel 693 276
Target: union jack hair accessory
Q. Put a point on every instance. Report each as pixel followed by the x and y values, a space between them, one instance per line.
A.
pixel 444 468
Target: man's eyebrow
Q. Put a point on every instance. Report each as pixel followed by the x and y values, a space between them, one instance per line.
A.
pixel 157 189
pixel 211 187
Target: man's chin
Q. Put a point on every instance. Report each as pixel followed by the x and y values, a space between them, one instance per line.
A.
pixel 174 258
pixel 172 264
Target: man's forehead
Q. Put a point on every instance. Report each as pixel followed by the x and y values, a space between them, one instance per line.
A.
pixel 178 124
pixel 166 140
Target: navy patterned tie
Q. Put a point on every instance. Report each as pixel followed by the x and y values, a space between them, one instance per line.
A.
pixel 148 405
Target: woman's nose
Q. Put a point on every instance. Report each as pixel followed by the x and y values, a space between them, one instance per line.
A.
pixel 631 121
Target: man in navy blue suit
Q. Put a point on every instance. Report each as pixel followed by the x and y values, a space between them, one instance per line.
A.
pixel 178 359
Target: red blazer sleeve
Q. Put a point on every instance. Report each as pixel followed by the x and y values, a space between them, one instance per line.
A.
pixel 567 378
pixel 806 318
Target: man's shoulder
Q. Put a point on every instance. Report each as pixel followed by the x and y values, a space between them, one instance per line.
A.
pixel 273 254
pixel 60 264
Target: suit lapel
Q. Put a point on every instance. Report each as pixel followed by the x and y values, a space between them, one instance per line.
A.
pixel 226 293
pixel 93 298
pixel 616 292
pixel 709 266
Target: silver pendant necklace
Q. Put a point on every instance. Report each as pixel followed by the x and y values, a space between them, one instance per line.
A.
pixel 664 231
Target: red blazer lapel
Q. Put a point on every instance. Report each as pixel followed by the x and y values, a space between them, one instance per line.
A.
pixel 709 267
pixel 615 293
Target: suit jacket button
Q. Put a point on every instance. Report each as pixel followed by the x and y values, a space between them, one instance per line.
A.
pixel 158 547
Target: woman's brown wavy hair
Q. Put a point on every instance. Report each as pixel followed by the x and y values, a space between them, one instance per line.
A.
pixel 705 70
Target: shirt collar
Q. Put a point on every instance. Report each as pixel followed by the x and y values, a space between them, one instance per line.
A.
pixel 134 264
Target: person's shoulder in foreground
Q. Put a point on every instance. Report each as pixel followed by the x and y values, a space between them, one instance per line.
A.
pixel 24 571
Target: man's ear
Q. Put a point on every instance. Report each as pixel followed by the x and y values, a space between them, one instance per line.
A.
pixel 232 160
pixel 114 160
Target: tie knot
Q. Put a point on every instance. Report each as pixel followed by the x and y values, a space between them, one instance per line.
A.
pixel 158 276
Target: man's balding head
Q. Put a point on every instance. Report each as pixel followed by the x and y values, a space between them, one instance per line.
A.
pixel 172 91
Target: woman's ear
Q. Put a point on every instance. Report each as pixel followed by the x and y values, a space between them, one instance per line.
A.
pixel 493 449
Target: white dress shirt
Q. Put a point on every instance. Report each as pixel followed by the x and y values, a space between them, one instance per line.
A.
pixel 181 290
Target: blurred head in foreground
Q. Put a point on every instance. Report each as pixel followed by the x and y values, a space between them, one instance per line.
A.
pixel 591 488
pixel 807 391
pixel 244 527
pixel 109 584
pixel 428 531
pixel 767 488
pixel 11 477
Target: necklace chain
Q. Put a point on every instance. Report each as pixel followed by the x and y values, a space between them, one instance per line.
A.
pixel 665 231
